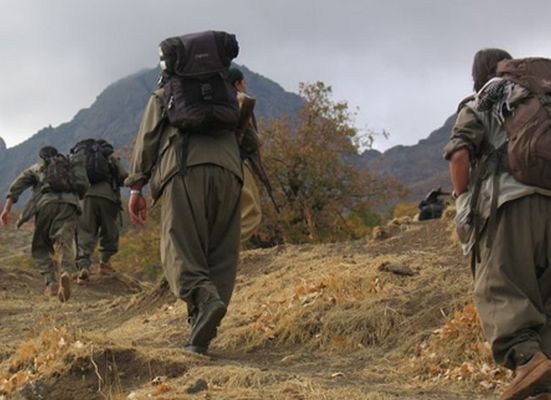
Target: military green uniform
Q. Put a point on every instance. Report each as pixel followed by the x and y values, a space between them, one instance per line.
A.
pixel 56 218
pixel 512 282
pixel 100 218
pixel 200 209
pixel 251 211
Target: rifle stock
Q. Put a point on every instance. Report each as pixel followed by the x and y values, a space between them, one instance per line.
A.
pixel 247 104
pixel 246 118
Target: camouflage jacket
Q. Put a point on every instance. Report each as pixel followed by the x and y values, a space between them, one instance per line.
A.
pixel 34 177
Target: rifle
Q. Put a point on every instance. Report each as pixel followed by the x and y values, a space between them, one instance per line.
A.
pixel 258 169
pixel 246 109
pixel 252 154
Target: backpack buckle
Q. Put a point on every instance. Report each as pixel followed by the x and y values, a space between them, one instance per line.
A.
pixel 206 91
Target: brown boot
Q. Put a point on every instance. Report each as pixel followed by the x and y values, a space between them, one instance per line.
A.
pixel 541 396
pixel 83 277
pixel 51 289
pixel 105 268
pixel 64 292
pixel 530 378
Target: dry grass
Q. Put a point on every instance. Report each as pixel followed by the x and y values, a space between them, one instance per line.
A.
pixel 40 356
pixel 306 322
pixel 458 352
pixel 327 301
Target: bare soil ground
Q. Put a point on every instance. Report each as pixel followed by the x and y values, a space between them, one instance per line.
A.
pixel 371 319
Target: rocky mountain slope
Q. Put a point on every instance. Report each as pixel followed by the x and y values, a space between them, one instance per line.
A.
pixel 116 113
pixel 420 167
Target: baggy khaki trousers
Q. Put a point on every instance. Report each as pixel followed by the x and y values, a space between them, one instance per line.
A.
pixel 251 212
pixel 512 290
pixel 99 221
pixel 54 239
pixel 200 228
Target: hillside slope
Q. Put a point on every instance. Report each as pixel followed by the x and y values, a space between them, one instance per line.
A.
pixel 306 322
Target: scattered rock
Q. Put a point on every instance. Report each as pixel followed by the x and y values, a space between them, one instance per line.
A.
pixel 380 233
pixel 158 380
pixel 397 269
pixel 197 387
pixel 405 220
pixel 35 390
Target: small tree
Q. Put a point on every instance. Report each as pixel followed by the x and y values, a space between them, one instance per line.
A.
pixel 312 167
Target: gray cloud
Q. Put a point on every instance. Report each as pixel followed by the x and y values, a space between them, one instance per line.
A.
pixel 404 63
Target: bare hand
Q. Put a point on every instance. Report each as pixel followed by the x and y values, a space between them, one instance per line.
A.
pixel 137 208
pixel 5 217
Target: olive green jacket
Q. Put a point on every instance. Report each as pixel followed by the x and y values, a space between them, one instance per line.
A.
pixel 34 177
pixel 157 151
pixel 110 190
pixel 474 129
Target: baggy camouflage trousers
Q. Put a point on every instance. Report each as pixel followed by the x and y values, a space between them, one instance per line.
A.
pixel 53 246
pixel 99 221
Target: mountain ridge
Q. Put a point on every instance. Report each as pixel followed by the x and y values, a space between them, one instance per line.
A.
pixel 420 167
pixel 115 116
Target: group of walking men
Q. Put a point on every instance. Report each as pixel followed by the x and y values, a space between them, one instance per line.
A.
pixel 189 150
pixel 72 212
pixel 203 180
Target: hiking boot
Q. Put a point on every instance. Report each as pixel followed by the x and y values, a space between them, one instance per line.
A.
pixel 529 379
pixel 83 276
pixel 64 292
pixel 51 289
pixel 206 324
pixel 105 268
pixel 195 349
pixel 541 396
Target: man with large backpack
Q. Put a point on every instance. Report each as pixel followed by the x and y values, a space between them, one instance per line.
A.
pixel 101 207
pixel 57 183
pixel 187 150
pixel 500 158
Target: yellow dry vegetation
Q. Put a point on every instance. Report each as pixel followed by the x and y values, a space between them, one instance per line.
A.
pixel 37 357
pixel 458 352
pixel 405 210
pixel 307 322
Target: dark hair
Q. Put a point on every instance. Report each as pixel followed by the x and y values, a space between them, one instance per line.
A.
pixel 235 75
pixel 47 152
pixel 485 64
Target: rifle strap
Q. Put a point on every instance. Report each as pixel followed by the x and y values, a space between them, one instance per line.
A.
pixel 183 153
pixel 477 175
pixel 496 167
pixel 492 164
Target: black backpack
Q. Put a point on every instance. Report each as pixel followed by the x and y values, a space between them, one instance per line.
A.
pixel 58 175
pixel 97 154
pixel 197 93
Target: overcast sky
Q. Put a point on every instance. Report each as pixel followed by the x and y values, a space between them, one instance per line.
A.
pixel 404 63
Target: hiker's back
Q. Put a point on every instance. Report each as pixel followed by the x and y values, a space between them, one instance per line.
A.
pixel 528 120
pixel 104 171
pixel 197 94
pixel 62 177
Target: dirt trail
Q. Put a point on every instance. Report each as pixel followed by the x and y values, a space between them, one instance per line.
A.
pixel 306 322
